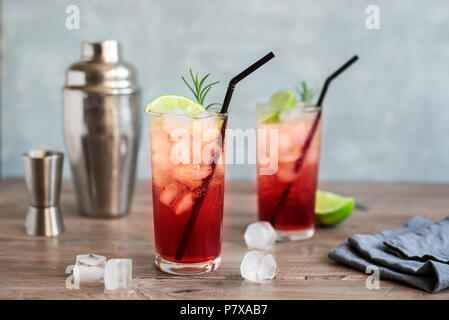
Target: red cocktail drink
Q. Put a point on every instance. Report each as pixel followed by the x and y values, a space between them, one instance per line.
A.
pixel 182 149
pixel 286 196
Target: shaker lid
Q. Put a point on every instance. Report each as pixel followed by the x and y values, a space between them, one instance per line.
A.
pixel 101 70
pixel 107 51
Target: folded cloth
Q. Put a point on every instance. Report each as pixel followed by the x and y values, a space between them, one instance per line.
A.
pixel 361 251
pixel 427 243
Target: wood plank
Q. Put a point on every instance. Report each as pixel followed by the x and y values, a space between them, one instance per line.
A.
pixel 33 268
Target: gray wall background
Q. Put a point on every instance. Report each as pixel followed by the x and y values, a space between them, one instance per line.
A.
pixel 387 119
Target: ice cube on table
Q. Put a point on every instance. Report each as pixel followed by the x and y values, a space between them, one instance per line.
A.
pixel 260 235
pixel 118 274
pixel 89 268
pixel 258 266
pixel 267 269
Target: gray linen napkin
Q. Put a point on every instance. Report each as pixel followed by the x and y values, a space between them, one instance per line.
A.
pixel 361 251
pixel 427 243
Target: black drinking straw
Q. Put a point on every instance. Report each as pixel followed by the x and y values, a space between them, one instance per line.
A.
pixel 241 76
pixel 220 139
pixel 310 135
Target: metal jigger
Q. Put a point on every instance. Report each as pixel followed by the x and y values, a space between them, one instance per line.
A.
pixel 43 170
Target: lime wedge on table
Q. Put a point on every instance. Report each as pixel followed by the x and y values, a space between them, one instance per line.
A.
pixel 282 100
pixel 166 103
pixel 331 208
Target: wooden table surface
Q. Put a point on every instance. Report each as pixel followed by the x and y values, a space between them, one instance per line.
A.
pixel 34 267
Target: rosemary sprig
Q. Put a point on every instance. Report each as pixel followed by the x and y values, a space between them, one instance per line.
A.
pixel 306 93
pixel 200 92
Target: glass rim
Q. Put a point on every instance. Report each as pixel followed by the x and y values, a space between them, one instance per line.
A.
pixel 193 116
pixel 307 107
pixel 42 154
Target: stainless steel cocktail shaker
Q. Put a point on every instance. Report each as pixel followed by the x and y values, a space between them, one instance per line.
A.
pixel 101 129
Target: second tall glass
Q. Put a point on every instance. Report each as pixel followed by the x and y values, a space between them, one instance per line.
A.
pixel 286 196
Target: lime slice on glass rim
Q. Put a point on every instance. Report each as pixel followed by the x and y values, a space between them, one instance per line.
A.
pixel 166 103
pixel 331 208
pixel 268 116
pixel 282 100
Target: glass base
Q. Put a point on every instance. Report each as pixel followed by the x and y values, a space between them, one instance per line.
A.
pixel 294 235
pixel 187 268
